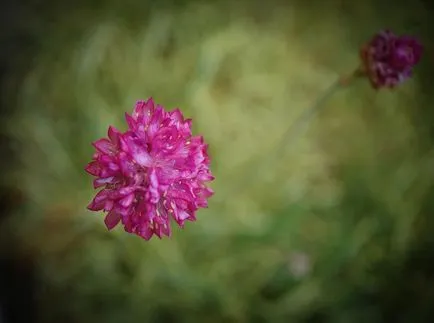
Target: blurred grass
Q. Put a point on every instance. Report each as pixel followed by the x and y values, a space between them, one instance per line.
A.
pixel 350 195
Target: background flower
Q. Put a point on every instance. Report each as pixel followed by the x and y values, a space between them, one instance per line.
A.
pixel 388 59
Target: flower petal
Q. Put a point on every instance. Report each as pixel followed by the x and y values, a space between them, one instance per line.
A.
pixel 103 145
pixel 114 134
pixel 98 201
pixel 102 181
pixel 130 121
pixel 93 168
pixel 112 219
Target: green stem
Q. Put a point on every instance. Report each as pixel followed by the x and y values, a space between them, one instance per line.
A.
pixel 293 132
pixel 300 125
pixel 296 129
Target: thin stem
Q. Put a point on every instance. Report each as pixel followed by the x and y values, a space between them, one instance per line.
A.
pixel 294 131
pixel 300 125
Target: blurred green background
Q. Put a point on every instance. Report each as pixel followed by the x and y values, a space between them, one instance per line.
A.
pixel 338 229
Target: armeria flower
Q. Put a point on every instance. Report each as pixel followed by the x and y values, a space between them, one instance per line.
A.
pixel 153 172
pixel 388 59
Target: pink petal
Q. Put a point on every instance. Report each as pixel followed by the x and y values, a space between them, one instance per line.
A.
pixel 177 116
pixel 103 145
pixel 114 134
pixel 112 219
pixel 146 232
pixel 126 190
pixel 109 204
pixel 93 168
pixel 130 121
pixel 153 178
pixel 149 106
pixel 183 215
pixel 127 200
pixel 166 230
pixel 123 143
pixel 102 181
pixel 98 201
pixel 141 156
pixel 138 109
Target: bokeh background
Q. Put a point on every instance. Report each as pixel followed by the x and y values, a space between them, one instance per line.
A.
pixel 338 229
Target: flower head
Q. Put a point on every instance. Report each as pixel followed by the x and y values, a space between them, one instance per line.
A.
pixel 153 172
pixel 388 59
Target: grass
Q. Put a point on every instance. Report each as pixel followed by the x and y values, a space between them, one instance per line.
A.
pixel 349 194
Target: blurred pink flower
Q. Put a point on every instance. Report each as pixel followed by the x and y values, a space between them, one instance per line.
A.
pixel 388 59
pixel 154 171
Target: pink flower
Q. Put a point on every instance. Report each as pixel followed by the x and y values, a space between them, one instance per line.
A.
pixel 388 59
pixel 154 171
